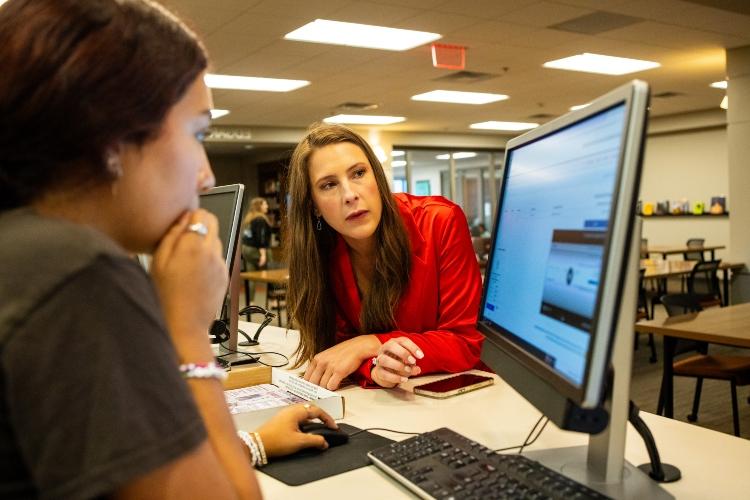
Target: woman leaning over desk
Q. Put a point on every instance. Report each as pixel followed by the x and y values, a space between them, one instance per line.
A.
pixel 107 381
pixel 383 287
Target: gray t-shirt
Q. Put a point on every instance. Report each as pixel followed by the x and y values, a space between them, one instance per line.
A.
pixel 90 394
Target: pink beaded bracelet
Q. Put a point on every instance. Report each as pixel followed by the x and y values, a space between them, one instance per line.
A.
pixel 203 370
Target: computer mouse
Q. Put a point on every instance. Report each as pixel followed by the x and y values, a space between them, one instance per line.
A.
pixel 333 437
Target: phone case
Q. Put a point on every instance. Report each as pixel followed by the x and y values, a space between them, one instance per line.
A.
pixel 454 392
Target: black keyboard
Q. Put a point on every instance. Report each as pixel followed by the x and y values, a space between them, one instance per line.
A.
pixel 445 464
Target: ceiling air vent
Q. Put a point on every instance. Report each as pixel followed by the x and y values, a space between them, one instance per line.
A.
pixel 465 77
pixel 595 23
pixel 667 95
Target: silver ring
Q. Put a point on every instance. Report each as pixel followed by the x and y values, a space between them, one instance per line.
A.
pixel 198 228
pixel 307 407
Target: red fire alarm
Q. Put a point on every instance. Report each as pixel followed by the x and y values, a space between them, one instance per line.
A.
pixel 448 56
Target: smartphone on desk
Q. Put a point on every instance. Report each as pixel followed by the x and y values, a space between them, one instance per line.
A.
pixel 453 386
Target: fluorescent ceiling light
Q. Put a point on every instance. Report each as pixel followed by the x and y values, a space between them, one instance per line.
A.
pixel 456 156
pixel 457 97
pixel 510 126
pixel 360 35
pixel 364 119
pixel 597 63
pixel 719 85
pixel 253 83
pixel 579 106
pixel 398 163
pixel 724 103
pixel 396 153
pixel 218 113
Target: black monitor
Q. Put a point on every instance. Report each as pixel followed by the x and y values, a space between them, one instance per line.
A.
pixel 559 256
pixel 225 202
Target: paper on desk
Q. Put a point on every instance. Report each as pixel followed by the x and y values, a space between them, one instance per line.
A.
pixel 259 397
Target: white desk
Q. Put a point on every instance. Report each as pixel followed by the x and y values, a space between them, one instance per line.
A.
pixel 713 464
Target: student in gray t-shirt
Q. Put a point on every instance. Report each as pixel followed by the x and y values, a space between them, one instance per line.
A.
pixel 107 381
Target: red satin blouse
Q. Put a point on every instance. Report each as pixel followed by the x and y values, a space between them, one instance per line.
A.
pixel 438 312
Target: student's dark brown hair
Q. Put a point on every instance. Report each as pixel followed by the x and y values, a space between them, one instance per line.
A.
pixel 79 77
pixel 310 297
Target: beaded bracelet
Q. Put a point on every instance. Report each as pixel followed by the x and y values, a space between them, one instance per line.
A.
pixel 261 448
pixel 203 370
pixel 256 458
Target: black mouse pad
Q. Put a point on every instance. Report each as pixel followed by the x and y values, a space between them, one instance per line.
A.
pixel 307 466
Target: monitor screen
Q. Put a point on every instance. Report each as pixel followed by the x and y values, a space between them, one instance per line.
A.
pixel 552 243
pixel 225 202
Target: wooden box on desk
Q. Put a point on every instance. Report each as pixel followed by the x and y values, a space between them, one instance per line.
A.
pixel 329 401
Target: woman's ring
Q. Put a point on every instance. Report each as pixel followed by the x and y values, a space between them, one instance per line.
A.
pixel 307 407
pixel 198 228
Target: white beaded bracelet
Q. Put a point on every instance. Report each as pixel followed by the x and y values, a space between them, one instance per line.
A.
pixel 203 370
pixel 255 457
pixel 261 448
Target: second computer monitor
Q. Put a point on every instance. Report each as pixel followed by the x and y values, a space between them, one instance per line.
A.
pixel 559 251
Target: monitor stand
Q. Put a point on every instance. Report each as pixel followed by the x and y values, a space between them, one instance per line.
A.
pixel 601 465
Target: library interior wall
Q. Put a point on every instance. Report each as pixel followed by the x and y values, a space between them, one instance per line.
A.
pixel 690 164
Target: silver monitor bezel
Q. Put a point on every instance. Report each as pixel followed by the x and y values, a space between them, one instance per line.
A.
pixel 635 96
pixel 238 191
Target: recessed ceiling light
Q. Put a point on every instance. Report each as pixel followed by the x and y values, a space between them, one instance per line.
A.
pixel 597 63
pixel 396 153
pixel 218 113
pixel 510 126
pixel 360 35
pixel 253 83
pixel 398 163
pixel 720 84
pixel 457 97
pixel 579 106
pixel 724 103
pixel 456 156
pixel 364 119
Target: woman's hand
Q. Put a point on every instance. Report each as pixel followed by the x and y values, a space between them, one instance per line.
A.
pixel 396 362
pixel 328 368
pixel 191 280
pixel 281 435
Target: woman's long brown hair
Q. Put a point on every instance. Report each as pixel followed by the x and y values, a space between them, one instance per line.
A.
pixel 310 298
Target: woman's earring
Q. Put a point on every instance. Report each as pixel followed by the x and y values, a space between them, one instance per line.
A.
pixel 114 166
pixel 319 225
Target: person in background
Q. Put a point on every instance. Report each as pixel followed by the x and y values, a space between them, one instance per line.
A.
pixel 107 382
pixel 383 287
pixel 256 239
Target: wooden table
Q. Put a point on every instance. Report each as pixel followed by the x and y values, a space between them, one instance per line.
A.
pixel 718 325
pixel 662 269
pixel 665 250
pixel 275 276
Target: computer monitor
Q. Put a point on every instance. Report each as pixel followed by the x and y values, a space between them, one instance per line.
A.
pixel 225 202
pixel 559 256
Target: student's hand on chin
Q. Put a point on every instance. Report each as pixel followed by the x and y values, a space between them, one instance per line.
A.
pixel 189 273
pixel 328 368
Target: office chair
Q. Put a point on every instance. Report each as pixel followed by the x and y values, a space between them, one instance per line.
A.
pixel 703 283
pixel 642 312
pixel 701 365
pixel 695 254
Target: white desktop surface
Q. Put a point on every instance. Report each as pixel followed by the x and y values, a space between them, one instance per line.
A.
pixel 713 464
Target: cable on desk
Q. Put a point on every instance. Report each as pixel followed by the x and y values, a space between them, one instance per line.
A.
pixel 529 440
pixel 384 429
pixel 255 356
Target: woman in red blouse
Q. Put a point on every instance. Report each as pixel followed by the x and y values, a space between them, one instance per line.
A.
pixel 383 287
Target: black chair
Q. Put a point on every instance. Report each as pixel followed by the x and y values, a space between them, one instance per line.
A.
pixel 701 365
pixel 642 312
pixel 695 254
pixel 703 283
pixel 644 248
